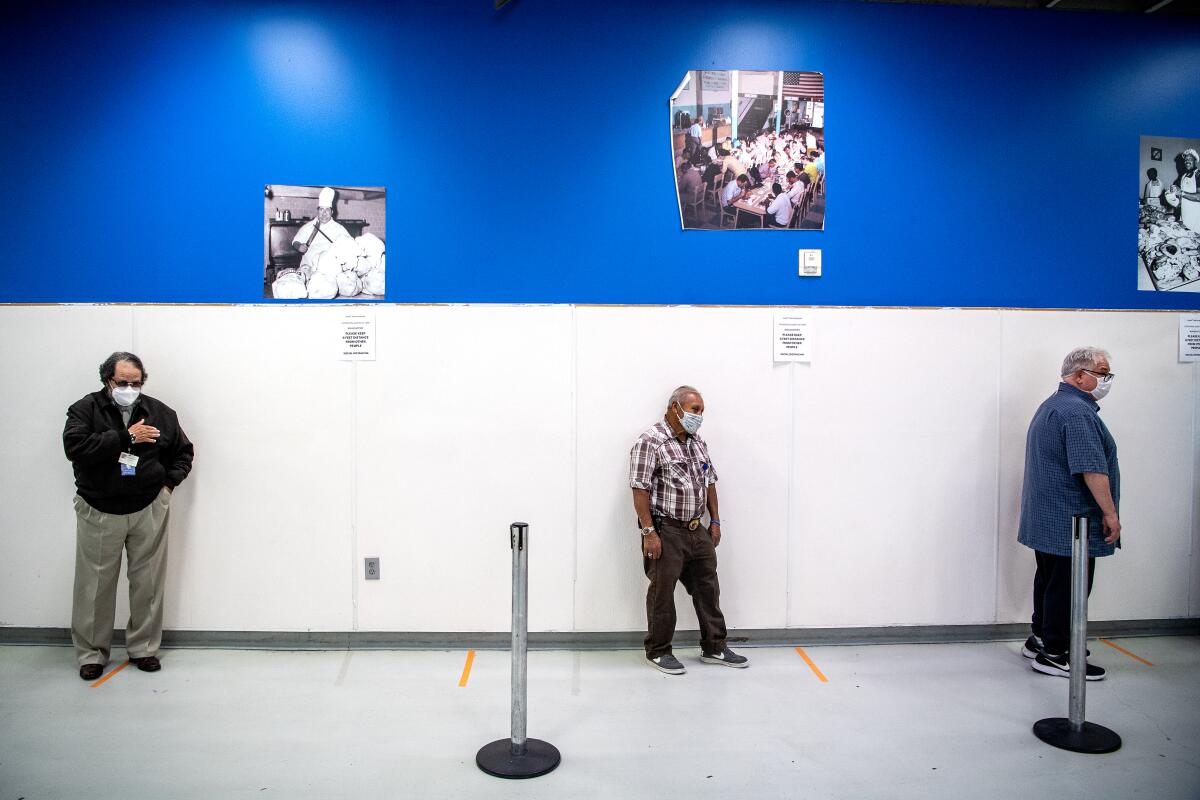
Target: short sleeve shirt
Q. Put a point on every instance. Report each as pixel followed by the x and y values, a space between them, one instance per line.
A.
pixel 734 165
pixel 677 474
pixel 781 208
pixel 728 192
pixel 1066 439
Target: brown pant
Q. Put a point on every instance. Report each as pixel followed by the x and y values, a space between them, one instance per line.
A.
pixel 690 558
pixel 99 540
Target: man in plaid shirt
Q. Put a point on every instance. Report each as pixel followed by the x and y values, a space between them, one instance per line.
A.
pixel 1070 470
pixel 673 483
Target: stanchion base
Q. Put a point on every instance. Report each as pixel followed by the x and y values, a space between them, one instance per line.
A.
pixel 497 759
pixel 1092 739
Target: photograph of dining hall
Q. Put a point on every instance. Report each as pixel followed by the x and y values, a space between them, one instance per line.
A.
pixel 749 149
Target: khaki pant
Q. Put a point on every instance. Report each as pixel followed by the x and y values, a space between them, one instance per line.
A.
pixel 100 538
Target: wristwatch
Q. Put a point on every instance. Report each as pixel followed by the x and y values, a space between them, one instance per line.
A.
pixel 646 531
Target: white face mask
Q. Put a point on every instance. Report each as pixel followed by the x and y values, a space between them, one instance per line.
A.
pixel 690 422
pixel 1102 388
pixel 125 395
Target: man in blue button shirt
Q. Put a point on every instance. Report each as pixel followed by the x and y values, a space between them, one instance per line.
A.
pixel 1070 470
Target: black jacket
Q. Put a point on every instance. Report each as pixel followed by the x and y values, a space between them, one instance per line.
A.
pixel 94 438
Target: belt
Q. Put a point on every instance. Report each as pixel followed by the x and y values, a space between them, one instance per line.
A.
pixel 691 524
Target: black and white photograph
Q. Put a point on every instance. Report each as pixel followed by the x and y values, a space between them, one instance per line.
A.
pixel 1169 214
pixel 749 149
pixel 324 242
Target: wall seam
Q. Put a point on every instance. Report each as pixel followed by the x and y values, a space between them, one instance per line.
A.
pixel 1195 526
pixel 999 462
pixel 354 491
pixel 791 492
pixel 575 462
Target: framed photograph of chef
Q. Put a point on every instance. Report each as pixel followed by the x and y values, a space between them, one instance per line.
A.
pixel 748 149
pixel 1169 214
pixel 324 242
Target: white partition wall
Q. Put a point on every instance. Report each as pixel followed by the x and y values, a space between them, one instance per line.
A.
pixel 894 470
pixel 465 425
pixel 878 485
pixel 259 535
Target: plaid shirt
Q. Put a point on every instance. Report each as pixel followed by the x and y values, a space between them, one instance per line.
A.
pixel 677 474
pixel 1066 439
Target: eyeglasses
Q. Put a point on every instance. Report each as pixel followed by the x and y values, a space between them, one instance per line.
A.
pixel 127 384
pixel 1103 377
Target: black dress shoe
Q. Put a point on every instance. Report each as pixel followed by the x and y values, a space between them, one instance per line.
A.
pixel 89 672
pixel 146 663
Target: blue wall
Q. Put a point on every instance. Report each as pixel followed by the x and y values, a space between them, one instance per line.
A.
pixel 977 157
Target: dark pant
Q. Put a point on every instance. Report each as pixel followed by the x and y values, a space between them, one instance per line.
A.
pixel 690 558
pixel 1052 600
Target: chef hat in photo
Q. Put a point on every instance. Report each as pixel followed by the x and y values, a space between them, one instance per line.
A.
pixel 325 199
pixel 1191 152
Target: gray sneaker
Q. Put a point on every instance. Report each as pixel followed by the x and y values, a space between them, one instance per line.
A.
pixel 667 663
pixel 726 657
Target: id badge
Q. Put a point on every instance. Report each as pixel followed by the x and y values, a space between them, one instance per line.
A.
pixel 128 463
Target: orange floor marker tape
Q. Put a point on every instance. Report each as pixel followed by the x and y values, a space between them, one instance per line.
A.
pixel 811 665
pixel 466 673
pixel 1126 652
pixel 109 675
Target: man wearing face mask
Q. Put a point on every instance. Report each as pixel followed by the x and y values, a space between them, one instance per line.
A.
pixel 1070 470
pixel 674 483
pixel 129 454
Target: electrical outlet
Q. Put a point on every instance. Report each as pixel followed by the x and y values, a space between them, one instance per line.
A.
pixel 372 568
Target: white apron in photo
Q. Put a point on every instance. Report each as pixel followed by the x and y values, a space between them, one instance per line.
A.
pixel 1189 210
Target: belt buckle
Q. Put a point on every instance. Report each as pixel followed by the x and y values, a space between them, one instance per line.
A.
pixel 694 524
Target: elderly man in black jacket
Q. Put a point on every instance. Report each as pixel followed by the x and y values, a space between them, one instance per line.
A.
pixel 129 454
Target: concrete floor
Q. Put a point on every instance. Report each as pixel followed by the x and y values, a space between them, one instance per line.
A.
pixel 895 721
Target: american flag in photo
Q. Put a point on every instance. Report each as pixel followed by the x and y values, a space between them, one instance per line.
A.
pixel 809 85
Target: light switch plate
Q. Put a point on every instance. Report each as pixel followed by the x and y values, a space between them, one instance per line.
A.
pixel 810 263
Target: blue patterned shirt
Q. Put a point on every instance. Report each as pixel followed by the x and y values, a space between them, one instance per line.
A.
pixel 1066 439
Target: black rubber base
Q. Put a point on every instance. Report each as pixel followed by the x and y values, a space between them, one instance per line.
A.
pixel 1092 739
pixel 497 759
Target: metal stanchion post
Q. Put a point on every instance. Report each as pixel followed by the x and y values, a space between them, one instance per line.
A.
pixel 1074 733
pixel 518 756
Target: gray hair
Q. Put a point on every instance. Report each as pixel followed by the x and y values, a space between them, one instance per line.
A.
pixel 109 368
pixel 1083 358
pixel 679 394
